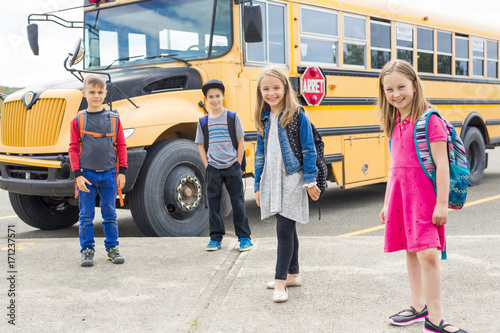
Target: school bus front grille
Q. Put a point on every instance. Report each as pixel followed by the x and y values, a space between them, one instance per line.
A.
pixel 37 127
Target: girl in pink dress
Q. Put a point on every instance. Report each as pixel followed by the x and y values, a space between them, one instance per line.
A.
pixel 414 214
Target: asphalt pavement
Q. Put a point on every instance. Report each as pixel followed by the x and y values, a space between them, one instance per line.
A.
pixel 174 285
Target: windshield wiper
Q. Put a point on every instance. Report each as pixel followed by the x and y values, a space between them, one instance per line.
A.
pixel 170 56
pixel 122 59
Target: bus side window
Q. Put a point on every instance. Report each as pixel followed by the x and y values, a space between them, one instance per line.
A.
pixel 425 50
pixel 354 41
pixel 477 56
pixel 380 39
pixel 444 52
pixel 461 55
pixel 404 42
pixel 273 47
pixel 318 36
pixel 492 56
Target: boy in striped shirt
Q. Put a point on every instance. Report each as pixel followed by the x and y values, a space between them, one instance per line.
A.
pixel 223 166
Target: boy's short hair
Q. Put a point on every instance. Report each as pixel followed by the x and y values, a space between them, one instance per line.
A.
pixel 94 80
pixel 214 83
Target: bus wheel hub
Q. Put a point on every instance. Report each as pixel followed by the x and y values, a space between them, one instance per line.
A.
pixel 188 193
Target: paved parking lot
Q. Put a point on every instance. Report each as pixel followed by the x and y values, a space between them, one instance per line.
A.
pixel 173 285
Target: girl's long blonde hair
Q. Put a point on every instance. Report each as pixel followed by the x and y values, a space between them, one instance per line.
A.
pixel 290 106
pixel 387 113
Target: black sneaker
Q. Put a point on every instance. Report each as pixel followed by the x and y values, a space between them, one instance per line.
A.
pixel 115 256
pixel 415 317
pixel 430 327
pixel 87 258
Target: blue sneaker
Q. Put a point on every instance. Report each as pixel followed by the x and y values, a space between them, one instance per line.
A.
pixel 213 246
pixel 245 244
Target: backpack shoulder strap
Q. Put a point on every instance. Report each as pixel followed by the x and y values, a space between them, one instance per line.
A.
pixel 81 120
pixel 113 116
pixel 204 129
pixel 294 136
pixel 422 145
pixel 231 126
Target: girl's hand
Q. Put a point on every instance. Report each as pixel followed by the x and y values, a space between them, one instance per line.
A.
pixel 257 198
pixel 440 215
pixel 313 192
pixel 80 182
pixel 383 214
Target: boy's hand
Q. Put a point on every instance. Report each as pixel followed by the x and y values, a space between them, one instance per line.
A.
pixel 440 215
pixel 120 181
pixel 80 182
pixel 257 198
pixel 313 192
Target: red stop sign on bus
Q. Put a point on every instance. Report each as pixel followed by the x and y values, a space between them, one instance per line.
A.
pixel 312 85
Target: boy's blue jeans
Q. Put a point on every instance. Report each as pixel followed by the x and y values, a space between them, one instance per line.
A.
pixel 103 183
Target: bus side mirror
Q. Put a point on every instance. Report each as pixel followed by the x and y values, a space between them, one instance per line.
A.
pixel 252 20
pixel 77 54
pixel 33 37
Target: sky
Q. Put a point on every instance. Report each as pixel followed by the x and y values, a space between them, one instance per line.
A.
pixel 20 68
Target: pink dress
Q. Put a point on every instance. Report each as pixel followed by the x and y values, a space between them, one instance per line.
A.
pixel 411 196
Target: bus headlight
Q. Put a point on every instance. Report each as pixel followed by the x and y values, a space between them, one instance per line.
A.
pixel 128 132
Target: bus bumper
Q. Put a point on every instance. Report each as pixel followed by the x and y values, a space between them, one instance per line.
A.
pixel 52 175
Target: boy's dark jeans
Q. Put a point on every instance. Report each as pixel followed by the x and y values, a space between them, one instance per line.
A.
pixel 234 185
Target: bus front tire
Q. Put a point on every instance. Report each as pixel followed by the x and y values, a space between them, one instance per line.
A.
pixel 475 148
pixel 46 213
pixel 155 203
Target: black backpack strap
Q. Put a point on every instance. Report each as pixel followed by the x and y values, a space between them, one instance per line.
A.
pixel 294 136
pixel 204 129
pixel 231 126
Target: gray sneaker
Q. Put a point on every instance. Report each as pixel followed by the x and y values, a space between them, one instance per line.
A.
pixel 115 256
pixel 87 258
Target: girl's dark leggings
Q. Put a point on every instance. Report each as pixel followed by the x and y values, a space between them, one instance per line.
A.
pixel 288 248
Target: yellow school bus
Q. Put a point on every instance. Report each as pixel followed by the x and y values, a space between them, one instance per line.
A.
pixel 158 54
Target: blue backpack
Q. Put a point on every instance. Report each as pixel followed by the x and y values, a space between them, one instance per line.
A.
pixel 459 168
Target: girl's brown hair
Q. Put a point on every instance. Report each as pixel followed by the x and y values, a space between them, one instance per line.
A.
pixel 387 113
pixel 290 102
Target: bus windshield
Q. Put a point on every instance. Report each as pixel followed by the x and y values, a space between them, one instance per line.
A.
pixel 156 31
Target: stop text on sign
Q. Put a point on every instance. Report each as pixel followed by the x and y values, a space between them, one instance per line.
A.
pixel 314 86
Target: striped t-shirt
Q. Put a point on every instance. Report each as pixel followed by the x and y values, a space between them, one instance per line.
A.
pixel 221 153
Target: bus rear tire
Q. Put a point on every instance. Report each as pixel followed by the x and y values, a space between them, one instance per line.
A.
pixel 155 201
pixel 46 213
pixel 475 148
